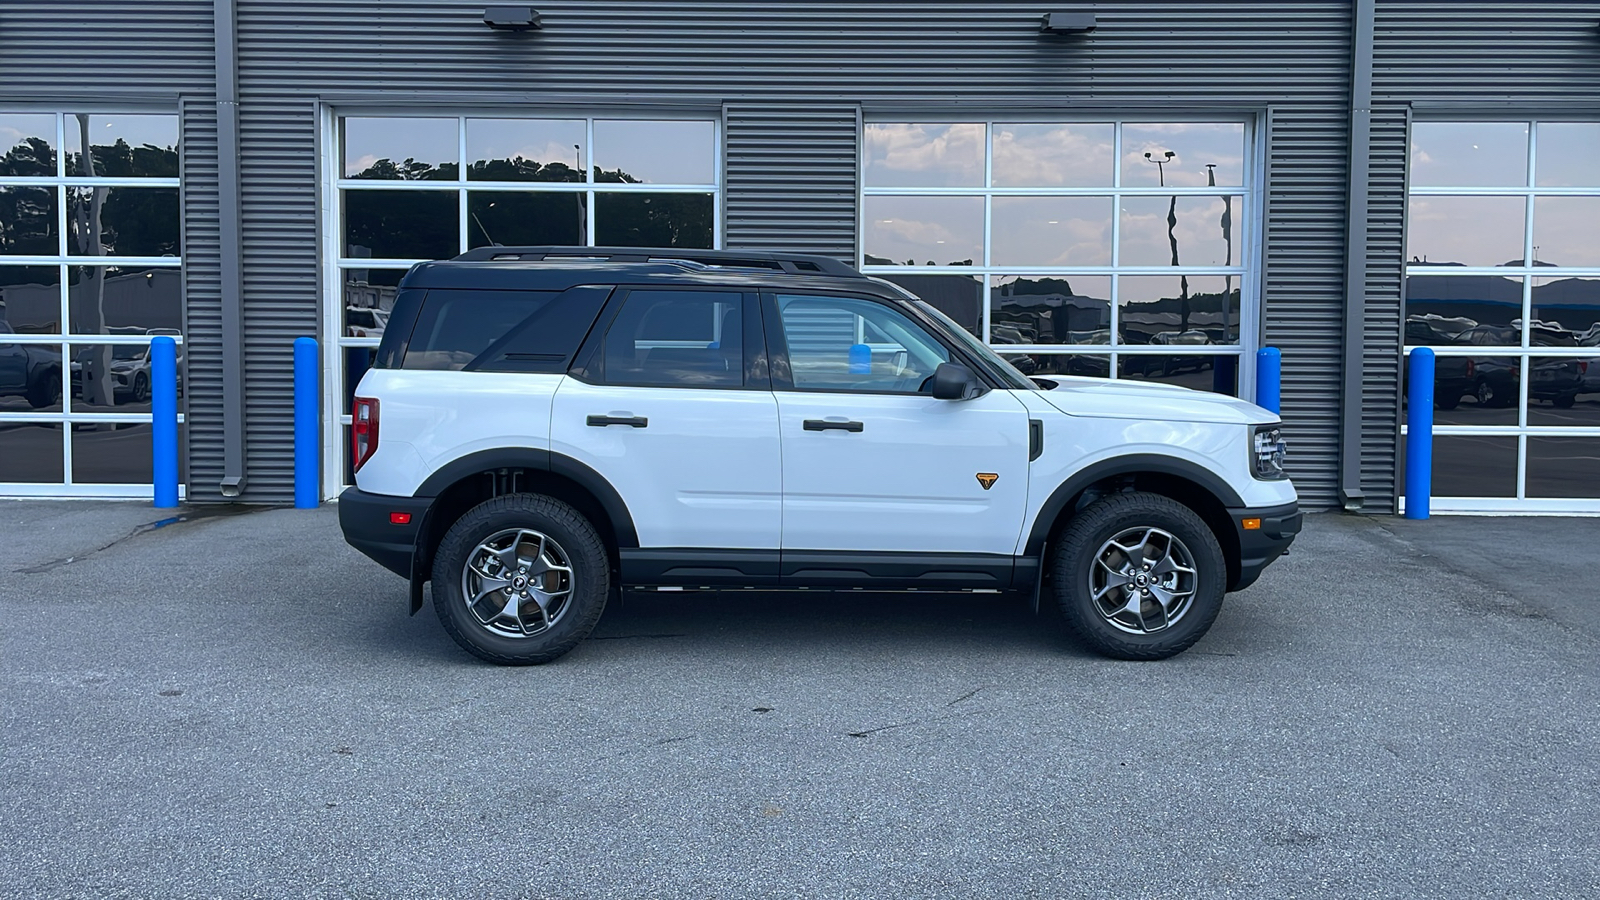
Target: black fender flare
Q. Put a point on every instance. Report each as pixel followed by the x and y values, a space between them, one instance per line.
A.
pixel 543 461
pixel 1135 463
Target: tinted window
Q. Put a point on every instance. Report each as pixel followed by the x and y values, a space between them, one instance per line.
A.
pixel 677 339
pixel 528 331
pixel 842 343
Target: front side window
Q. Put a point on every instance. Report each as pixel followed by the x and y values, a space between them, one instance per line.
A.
pixel 848 344
pixel 677 339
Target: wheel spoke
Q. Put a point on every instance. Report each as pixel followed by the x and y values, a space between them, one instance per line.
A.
pixel 1135 606
pixel 518 582
pixel 1154 571
pixel 484 601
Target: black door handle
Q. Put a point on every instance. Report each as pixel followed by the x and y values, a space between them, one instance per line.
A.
pixel 825 425
pixel 631 421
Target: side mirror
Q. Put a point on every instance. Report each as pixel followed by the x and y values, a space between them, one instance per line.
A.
pixel 953 381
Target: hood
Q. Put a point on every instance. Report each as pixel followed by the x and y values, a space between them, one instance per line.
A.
pixel 1102 398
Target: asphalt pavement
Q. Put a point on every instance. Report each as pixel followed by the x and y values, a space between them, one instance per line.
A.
pixel 237 705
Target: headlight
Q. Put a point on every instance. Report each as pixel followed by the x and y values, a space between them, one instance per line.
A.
pixel 1267 451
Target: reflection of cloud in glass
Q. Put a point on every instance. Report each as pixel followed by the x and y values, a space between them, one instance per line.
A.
pixel 1051 231
pixel 907 155
pixel 1201 239
pixel 1077 155
pixel 137 130
pixel 1474 154
pixel 542 141
pixel 17 128
pixel 1467 231
pixel 917 230
pixel 1194 145
pixel 426 140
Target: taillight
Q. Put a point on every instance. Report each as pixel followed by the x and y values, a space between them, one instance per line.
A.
pixel 1583 367
pixel 1472 368
pixel 363 430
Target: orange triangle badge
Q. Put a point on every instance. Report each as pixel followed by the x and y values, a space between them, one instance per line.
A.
pixel 987 479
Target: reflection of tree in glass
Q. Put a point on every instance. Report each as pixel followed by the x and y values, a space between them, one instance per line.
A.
pixel 520 169
pixel 30 157
pixel 409 170
pixel 653 220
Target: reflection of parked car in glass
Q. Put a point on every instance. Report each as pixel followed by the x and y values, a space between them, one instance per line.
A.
pixel 128 368
pixel 1168 365
pixel 1591 365
pixel 1452 375
pixel 1495 380
pixel 363 321
pixel 30 371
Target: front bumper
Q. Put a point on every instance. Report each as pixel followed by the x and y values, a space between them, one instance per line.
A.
pixel 1258 547
pixel 365 519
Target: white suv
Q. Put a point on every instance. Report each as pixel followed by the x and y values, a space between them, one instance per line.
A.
pixel 557 423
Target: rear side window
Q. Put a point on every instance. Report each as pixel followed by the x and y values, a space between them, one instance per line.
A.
pixel 501 331
pixel 677 339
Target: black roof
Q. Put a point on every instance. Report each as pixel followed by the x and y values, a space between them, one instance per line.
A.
pixel 558 268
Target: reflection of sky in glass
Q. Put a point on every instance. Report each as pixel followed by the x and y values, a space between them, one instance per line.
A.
pixel 426 140
pixel 1202 239
pixel 1051 231
pixel 160 131
pixel 657 152
pixel 1564 231
pixel 1194 145
pixel 1467 231
pixel 1566 154
pixel 1469 154
pixel 538 140
pixel 1052 155
pixel 923 230
pixel 14 127
pixel 907 155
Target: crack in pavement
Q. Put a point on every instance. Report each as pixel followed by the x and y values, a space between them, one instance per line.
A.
pixel 193 515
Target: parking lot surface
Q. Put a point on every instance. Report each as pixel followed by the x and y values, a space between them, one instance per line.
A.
pixel 237 705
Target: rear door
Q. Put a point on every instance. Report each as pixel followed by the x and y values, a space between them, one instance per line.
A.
pixel 671 404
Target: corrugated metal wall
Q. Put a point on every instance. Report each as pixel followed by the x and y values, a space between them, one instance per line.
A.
pixel 1452 59
pixel 790 178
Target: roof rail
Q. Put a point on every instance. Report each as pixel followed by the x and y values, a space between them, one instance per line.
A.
pixel 786 263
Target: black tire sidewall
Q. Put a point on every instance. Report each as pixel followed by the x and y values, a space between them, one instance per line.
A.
pixel 1103 520
pixel 587 556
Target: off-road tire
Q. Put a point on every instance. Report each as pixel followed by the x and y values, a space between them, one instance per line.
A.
pixel 591 578
pixel 1074 556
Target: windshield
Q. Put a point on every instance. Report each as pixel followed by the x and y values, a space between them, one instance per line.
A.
pixel 1016 379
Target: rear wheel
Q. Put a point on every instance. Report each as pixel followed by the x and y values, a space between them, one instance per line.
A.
pixel 1138 576
pixel 46 391
pixel 520 579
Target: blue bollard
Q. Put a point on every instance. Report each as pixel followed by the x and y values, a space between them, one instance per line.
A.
pixel 307 393
pixel 1269 378
pixel 1419 434
pixel 164 420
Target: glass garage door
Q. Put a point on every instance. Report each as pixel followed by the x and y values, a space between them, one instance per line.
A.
pixel 407 189
pixel 1503 282
pixel 89 271
pixel 1117 249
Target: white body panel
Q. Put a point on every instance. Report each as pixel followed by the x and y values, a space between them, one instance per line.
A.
pixel 908 480
pixel 704 472
pixel 428 419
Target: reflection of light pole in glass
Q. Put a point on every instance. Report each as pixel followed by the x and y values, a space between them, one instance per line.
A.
pixel 1227 237
pixel 583 224
pixel 1172 234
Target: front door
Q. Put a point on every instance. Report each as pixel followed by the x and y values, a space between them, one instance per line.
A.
pixel 871 461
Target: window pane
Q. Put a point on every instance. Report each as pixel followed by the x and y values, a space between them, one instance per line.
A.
pixel 30 453
pixel 1564 231
pixel 655 152
pixel 1466 231
pixel 1050 309
pixel 1456 392
pixel 357 360
pixel 922 231
pixel 1469 154
pixel 1570 303
pixel 1563 467
pixel 1565 151
pixel 1440 309
pixel 122 146
pixel 525 149
pixel 1059 155
pixel 1202 154
pixel 30 144
pixel 454 327
pixel 368 299
pixel 30 376
pixel 1046 364
pixel 1554 386
pixel 1180 310
pixel 677 339
pixel 401 149
pixel 1051 231
pixel 1187 231
pixel 653 220
pixel 1217 374
pixel 28 222
pixel 119 453
pixel 1469 466
pixel 30 299
pixel 115 299
pixel 401 224
pixel 524 218
pixel 122 221
pixel 958 296
pixel 113 377
pixel 934 155
pixel 839 343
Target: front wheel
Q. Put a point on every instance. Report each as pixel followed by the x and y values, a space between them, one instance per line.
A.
pixel 1138 576
pixel 520 579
